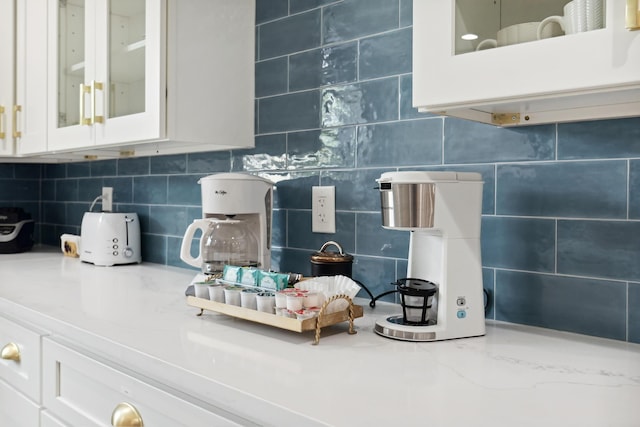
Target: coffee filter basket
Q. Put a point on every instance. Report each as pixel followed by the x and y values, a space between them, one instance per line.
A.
pixel 330 286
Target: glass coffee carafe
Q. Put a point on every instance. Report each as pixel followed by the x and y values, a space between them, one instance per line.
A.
pixel 223 242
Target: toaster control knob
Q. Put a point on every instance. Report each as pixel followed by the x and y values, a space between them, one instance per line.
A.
pixel 128 252
pixel 115 240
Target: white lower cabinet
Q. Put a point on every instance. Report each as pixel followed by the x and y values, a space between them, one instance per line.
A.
pixel 17 410
pixel 48 420
pixel 20 348
pixel 81 390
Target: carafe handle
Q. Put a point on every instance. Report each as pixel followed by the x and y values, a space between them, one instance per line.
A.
pixel 185 249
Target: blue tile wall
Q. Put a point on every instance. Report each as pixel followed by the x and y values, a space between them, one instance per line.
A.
pixel 20 186
pixel 586 306
pixel 561 202
pixel 596 189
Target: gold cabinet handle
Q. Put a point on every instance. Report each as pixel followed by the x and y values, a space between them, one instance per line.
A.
pixel 95 86
pixel 14 121
pixel 3 134
pixel 633 15
pixel 11 351
pixel 84 89
pixel 126 415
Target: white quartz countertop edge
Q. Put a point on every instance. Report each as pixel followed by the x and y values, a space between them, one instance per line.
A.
pixel 137 317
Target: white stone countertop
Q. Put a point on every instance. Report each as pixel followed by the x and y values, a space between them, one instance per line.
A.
pixel 137 316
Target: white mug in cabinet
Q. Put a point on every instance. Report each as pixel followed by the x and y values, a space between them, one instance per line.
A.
pixel 579 16
pixel 520 33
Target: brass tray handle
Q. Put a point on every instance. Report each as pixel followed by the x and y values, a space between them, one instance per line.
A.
pixel 324 308
pixel 11 351
pixel 126 415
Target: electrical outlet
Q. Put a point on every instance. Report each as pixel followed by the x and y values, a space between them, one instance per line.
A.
pixel 323 209
pixel 107 199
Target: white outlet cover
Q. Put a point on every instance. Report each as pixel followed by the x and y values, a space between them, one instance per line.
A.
pixel 323 209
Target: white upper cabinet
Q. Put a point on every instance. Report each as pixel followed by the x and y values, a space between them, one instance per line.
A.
pixel 7 34
pixel 30 131
pixel 134 77
pixel 23 77
pixel 104 64
pixel 507 62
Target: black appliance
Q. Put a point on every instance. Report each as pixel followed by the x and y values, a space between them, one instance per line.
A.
pixel 16 231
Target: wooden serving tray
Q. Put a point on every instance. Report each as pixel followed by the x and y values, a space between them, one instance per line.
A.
pixel 314 323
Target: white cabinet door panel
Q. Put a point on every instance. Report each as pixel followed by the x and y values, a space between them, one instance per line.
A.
pixel 23 374
pixel 16 410
pixel 80 390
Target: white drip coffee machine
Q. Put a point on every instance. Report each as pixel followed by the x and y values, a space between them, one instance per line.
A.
pixel 233 204
pixel 442 210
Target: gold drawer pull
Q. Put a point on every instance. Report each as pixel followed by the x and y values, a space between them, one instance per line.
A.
pixel 632 17
pixel 11 352
pixel 84 89
pixel 2 131
pixel 14 121
pixel 94 87
pixel 126 415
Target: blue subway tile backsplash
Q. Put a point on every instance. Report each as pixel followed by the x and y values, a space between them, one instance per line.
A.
pixel 596 189
pixel 329 65
pixel 617 138
pixel 327 148
pixel 634 315
pixel 607 249
pixel 291 34
pixel 561 202
pixel 295 111
pixel 400 143
pixel 386 55
pixel 271 77
pixel 269 10
pixel 634 189
pixel 352 19
pixel 470 142
pixel 367 102
pixel 586 306
pixel 519 243
pixel 296 6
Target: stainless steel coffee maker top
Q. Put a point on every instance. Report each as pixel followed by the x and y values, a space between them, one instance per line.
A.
pixel 407 205
pixel 408 198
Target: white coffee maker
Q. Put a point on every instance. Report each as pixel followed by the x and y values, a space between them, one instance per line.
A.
pixel 234 200
pixel 442 210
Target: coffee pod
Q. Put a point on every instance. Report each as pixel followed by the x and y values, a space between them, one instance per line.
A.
pixel 216 292
pixel 248 298
pixel 295 301
pixel 201 290
pixel 265 302
pixel 232 295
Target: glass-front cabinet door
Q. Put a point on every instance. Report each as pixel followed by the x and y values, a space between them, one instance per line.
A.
pixel 106 85
pixel 513 62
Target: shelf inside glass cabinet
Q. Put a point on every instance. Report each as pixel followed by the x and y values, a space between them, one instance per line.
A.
pixel 487 24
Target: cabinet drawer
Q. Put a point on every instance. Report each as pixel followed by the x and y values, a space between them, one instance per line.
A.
pixel 16 410
pixel 48 420
pixel 81 390
pixel 20 362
